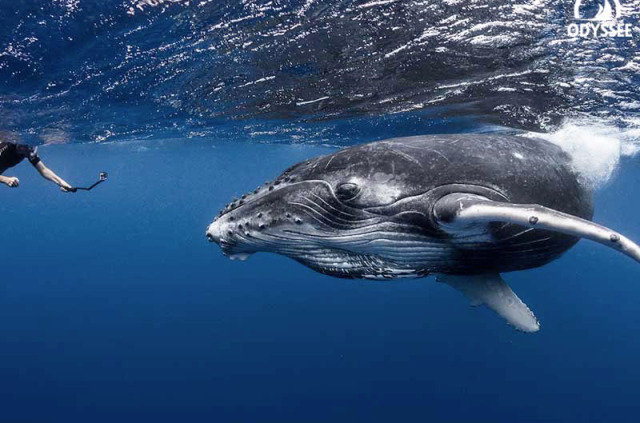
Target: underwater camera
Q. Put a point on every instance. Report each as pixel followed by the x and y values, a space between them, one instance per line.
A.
pixel 101 178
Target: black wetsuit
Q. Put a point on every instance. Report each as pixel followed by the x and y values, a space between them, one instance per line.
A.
pixel 12 154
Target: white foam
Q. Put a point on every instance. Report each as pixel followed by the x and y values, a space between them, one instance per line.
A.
pixel 595 147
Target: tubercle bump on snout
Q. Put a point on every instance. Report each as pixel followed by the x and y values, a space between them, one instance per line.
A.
pixel 268 186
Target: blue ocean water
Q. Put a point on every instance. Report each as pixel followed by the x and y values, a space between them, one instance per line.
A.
pixel 114 307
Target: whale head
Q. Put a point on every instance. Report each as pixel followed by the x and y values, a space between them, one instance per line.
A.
pixel 335 214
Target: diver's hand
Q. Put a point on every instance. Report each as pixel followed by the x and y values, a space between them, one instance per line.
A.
pixel 13 182
pixel 65 187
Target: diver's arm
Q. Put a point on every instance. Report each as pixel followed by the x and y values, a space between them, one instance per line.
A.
pixel 13 182
pixel 51 176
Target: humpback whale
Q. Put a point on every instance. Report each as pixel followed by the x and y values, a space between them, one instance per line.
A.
pixel 465 208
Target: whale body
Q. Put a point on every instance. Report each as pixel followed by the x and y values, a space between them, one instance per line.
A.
pixel 463 207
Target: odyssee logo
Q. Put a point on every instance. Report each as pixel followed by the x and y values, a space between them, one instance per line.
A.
pixel 607 22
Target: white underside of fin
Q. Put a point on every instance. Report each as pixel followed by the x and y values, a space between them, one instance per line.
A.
pixel 491 290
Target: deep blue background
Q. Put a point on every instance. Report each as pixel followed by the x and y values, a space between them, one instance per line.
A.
pixel 113 307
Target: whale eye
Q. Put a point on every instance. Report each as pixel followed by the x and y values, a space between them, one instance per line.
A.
pixel 347 191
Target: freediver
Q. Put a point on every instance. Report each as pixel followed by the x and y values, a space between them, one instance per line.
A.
pixel 12 154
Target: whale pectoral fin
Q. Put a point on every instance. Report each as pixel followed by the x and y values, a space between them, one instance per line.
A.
pixel 456 211
pixel 491 290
